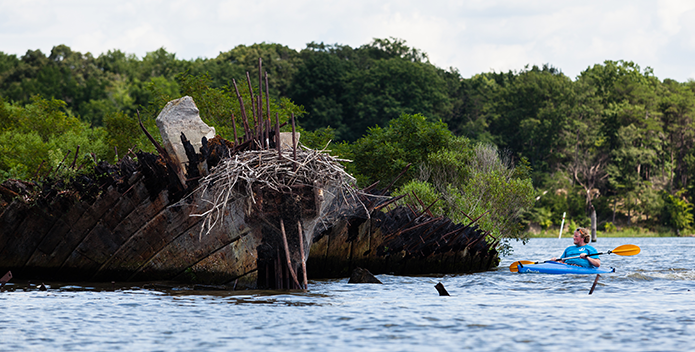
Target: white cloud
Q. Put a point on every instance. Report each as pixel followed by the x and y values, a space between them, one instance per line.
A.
pixel 473 36
pixel 671 14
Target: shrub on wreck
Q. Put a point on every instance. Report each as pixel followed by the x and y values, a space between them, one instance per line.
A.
pixel 471 182
pixel 36 138
pixel 468 179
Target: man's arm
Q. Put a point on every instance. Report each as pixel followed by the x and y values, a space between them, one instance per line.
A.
pixel 592 260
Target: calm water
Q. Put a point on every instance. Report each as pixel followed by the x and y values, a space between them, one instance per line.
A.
pixel 647 305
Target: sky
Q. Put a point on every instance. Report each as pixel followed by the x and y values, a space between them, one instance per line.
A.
pixel 470 36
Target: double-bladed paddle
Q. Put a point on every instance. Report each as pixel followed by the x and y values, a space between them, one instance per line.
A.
pixel 625 250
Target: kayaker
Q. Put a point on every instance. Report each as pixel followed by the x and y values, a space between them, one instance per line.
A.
pixel 581 249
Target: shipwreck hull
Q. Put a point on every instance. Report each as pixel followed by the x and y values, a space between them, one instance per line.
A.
pixel 139 228
pixel 136 224
pixel 126 235
pixel 254 212
pixel 401 242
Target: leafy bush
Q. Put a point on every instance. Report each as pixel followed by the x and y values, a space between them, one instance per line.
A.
pixel 470 180
pixel 41 132
pixel 678 213
pixel 383 153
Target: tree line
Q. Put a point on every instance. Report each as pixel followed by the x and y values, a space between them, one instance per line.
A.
pixel 615 140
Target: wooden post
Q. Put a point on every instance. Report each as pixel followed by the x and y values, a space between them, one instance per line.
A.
pixel 5 278
pixel 61 163
pixel 593 223
pixel 440 288
pixel 243 111
pixel 423 204
pixel 77 152
pixel 277 135
pixel 253 102
pixel 287 253
pixel 36 175
pixel 301 252
pixel 594 285
pixel 294 144
pixel 259 123
pixel 267 131
pixel 236 139
pixel 260 99
pixel 267 108
pixel 260 79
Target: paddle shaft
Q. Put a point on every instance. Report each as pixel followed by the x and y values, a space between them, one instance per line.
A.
pixel 588 255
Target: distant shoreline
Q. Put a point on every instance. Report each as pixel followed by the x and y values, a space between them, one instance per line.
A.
pixel 626 233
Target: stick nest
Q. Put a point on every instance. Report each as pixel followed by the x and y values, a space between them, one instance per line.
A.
pixel 236 177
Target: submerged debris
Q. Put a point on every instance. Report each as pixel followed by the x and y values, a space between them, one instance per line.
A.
pixel 440 288
pixel 5 279
pixel 363 276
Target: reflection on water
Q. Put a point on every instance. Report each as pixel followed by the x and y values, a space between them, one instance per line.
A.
pixel 646 305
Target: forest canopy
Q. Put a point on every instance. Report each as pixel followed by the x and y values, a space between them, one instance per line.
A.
pixel 615 138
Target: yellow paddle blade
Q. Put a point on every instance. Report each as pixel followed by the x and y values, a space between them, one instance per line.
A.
pixel 515 266
pixel 626 249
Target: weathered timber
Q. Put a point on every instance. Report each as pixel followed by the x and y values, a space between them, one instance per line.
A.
pixel 400 242
pixel 134 231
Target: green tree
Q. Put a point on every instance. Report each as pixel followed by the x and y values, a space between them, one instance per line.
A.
pixel 479 181
pixel 678 212
pixel 678 109
pixel 469 180
pixel 279 61
pixel 383 153
pixel 352 90
pixel 531 112
pixel 473 107
pixel 320 85
pixel 7 63
pixel 389 88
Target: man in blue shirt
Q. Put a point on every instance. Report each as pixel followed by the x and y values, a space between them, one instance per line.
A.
pixel 581 249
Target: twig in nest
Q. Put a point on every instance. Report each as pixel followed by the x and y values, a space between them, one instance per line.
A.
pixel 236 177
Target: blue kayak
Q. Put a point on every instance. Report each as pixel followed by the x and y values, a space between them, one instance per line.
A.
pixel 561 268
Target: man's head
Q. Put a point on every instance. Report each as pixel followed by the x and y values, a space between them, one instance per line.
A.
pixel 581 236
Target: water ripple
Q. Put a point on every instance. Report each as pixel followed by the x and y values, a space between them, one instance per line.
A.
pixel 645 305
